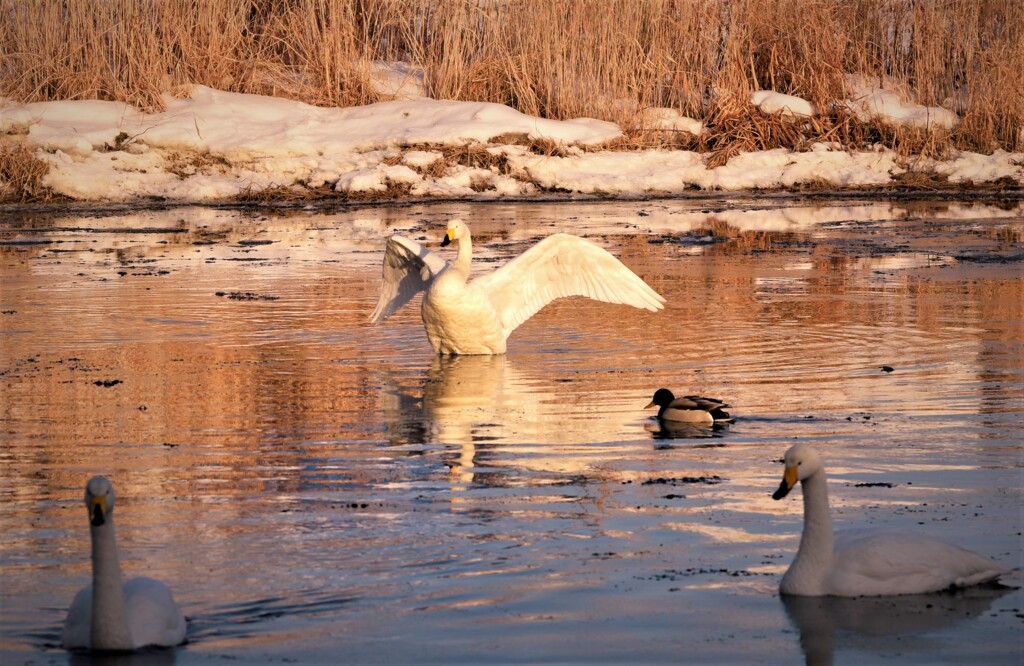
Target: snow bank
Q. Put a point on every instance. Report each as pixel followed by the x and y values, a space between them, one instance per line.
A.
pixel 216 145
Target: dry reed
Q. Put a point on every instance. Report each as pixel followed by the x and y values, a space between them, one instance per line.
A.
pixel 21 174
pixel 553 58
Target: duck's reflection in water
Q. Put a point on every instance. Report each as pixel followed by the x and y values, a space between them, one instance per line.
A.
pixel 664 431
pixel 875 624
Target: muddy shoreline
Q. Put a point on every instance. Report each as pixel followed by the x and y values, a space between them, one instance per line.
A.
pixel 339 204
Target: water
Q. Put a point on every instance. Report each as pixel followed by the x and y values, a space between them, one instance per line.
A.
pixel 318 489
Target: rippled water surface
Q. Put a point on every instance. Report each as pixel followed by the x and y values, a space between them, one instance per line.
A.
pixel 314 488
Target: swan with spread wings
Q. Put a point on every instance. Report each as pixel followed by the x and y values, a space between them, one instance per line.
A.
pixel 476 317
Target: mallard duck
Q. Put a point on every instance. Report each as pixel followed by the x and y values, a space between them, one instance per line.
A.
pixel 867 562
pixel 476 317
pixel 108 615
pixel 689 409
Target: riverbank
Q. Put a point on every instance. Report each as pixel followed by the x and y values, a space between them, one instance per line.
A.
pixel 215 146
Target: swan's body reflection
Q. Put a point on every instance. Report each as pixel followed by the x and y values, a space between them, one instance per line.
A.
pixel 826 623
pixel 464 397
pixel 151 657
pixel 461 396
pixel 491 412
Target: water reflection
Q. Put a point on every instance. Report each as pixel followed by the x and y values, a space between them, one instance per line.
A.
pixel 669 430
pixel 463 397
pixel 153 657
pixel 456 392
pixel 295 456
pixel 880 624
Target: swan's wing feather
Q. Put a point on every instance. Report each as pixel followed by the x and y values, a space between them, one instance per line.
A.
pixel 78 625
pixel 884 562
pixel 558 266
pixel 407 269
pixel 154 616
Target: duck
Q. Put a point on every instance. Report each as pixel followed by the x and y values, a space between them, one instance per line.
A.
pixel 463 316
pixel 108 615
pixel 867 562
pixel 693 409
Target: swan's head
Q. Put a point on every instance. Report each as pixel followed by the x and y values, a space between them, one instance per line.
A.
pixel 456 230
pixel 801 462
pixel 99 500
pixel 662 398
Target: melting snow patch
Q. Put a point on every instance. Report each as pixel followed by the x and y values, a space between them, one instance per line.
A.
pixel 790 106
pixel 868 101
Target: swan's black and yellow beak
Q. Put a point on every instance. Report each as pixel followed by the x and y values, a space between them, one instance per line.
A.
pixel 97 510
pixel 789 479
pixel 449 236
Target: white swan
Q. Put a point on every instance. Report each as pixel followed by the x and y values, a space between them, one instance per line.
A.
pixel 463 317
pixel 108 615
pixel 689 409
pixel 867 562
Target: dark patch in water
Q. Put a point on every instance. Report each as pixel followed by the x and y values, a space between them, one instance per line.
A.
pixel 245 296
pixel 675 481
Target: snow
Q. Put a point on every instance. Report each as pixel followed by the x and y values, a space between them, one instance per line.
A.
pixel 214 145
pixel 869 101
pixel 670 120
pixel 674 172
pixel 772 102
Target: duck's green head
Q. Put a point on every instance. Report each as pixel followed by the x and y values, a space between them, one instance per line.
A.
pixel 662 398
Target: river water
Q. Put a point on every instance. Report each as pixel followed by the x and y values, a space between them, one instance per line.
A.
pixel 316 489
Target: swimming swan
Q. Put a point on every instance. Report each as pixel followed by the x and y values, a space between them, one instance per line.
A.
pixel 107 615
pixel 463 317
pixel 867 562
pixel 689 409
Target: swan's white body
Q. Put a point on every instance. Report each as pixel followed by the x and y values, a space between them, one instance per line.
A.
pixel 109 615
pixel 463 317
pixel 867 562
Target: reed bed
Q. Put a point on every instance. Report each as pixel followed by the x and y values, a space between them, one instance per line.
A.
pixel 558 59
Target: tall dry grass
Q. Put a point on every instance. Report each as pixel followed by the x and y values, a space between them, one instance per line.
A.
pixel 552 58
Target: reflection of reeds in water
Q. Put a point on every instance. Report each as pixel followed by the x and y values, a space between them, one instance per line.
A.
pixel 553 58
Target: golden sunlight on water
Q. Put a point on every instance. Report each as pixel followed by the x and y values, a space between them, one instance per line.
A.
pixel 306 481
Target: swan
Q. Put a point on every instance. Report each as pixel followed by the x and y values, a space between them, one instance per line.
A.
pixel 108 615
pixel 867 562
pixel 476 317
pixel 689 409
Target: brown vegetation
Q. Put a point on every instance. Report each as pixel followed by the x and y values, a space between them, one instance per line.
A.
pixel 551 58
pixel 21 174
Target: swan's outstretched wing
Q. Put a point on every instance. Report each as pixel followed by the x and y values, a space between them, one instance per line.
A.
pixel 408 269
pixel 562 265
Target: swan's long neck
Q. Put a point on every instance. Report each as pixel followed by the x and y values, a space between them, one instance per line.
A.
pixel 464 257
pixel 109 630
pixel 814 558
